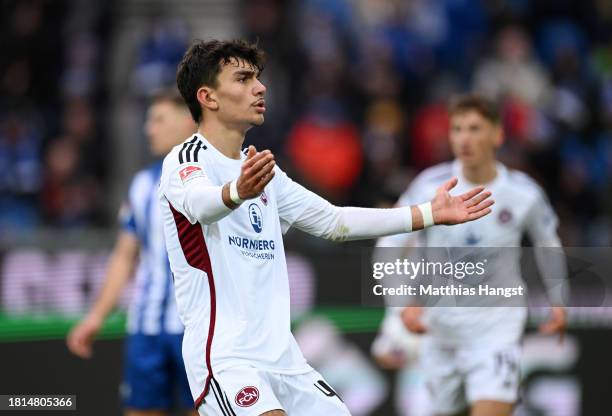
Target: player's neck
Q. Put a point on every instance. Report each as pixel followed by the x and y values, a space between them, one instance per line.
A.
pixel 226 140
pixel 480 174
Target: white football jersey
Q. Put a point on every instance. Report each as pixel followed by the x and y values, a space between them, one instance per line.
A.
pixel 520 207
pixel 230 276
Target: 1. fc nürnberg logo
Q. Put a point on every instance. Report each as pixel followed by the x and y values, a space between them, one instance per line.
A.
pixel 256 217
pixel 247 396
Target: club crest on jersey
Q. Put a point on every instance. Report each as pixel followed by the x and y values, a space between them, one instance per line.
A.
pixel 505 216
pixel 190 172
pixel 256 217
pixel 247 396
pixel 264 198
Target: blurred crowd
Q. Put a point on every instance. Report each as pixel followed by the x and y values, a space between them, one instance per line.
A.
pixel 357 94
pixel 53 154
pixel 364 107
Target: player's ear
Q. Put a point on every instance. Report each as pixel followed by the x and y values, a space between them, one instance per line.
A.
pixel 207 98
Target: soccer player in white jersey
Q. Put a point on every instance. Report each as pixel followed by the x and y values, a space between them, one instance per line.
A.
pixel 470 356
pixel 224 215
pixel 154 379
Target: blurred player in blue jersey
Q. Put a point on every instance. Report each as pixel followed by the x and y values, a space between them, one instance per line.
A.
pixel 471 355
pixel 154 376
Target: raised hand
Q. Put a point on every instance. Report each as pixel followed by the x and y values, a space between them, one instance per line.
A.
pixel 256 172
pixel 470 206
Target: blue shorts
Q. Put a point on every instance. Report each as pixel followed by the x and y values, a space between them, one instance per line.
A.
pixel 154 374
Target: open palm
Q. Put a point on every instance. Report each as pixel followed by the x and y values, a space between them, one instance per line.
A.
pixel 470 206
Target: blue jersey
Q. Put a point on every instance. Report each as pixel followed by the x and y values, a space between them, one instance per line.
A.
pixel 153 307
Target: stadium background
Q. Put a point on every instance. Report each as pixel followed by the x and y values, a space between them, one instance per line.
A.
pixel 356 96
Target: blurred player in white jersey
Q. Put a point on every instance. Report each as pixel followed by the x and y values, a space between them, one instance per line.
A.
pixel 470 356
pixel 224 212
pixel 154 374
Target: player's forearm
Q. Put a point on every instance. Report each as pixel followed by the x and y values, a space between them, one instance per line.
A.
pixel 364 223
pixel 552 266
pixel 325 220
pixel 351 223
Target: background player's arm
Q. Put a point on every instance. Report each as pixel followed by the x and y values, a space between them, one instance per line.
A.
pixel 121 266
pixel 410 315
pixel 394 347
pixel 541 225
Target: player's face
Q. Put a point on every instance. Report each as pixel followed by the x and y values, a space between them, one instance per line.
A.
pixel 473 138
pixel 167 125
pixel 240 95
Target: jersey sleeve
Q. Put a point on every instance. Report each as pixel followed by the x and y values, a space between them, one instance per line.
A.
pixel 293 199
pixel 541 222
pixel 314 215
pixel 541 226
pixel 189 190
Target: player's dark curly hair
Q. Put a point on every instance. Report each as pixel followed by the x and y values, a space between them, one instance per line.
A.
pixel 203 62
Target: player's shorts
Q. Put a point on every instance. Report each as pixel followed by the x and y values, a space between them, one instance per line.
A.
pixel 242 391
pixel 154 374
pixel 457 377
